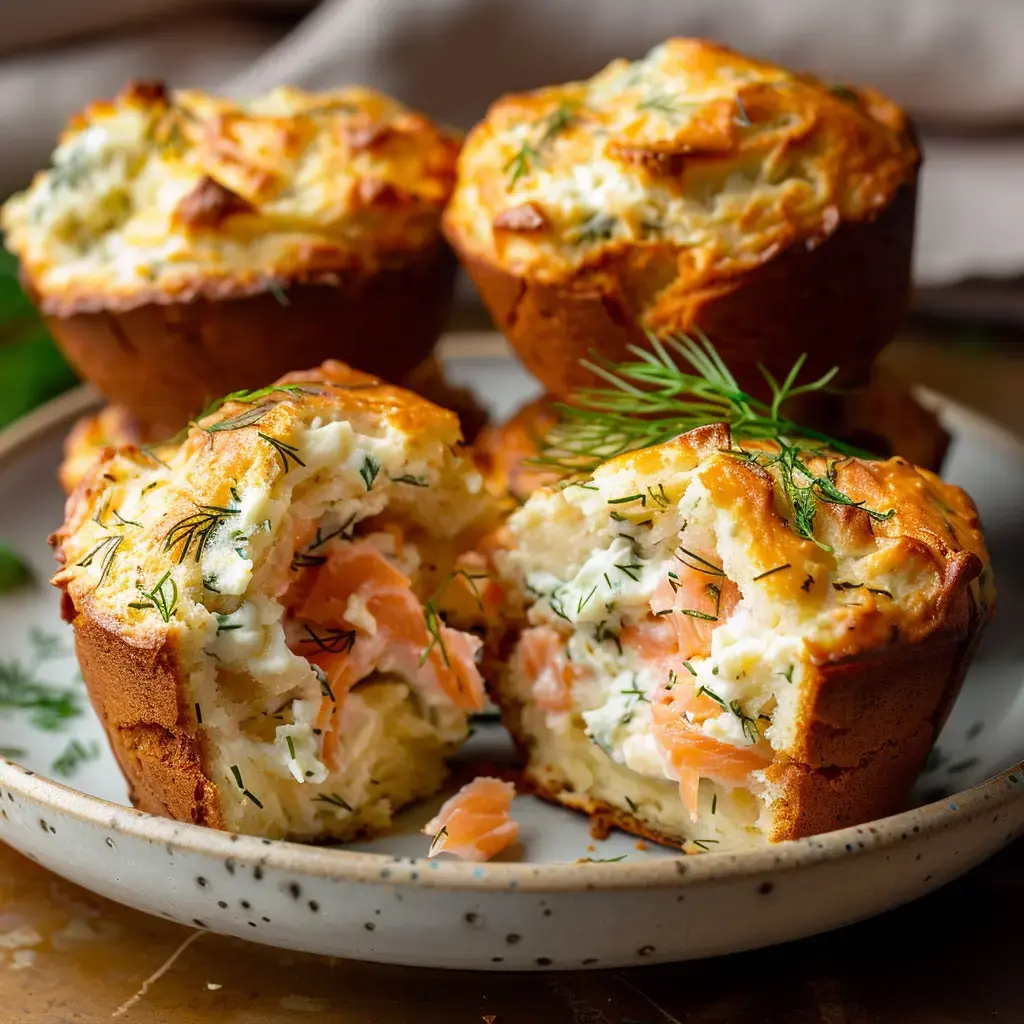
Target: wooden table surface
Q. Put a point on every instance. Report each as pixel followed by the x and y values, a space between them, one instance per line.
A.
pixel 952 958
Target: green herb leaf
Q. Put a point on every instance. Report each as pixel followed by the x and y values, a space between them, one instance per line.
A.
pixel 369 470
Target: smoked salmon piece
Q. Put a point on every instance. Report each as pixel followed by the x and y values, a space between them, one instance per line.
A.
pixel 544 660
pixel 690 754
pixel 694 601
pixel 358 590
pixel 476 823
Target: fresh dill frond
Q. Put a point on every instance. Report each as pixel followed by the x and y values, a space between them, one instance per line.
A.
pixel 164 598
pixel 334 800
pixel 196 529
pixel 285 451
pixel 369 470
pixel 331 641
pixel 246 397
pixel 682 383
pixel 434 622
pixel 105 551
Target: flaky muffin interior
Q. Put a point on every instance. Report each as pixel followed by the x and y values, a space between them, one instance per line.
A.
pixel 682 634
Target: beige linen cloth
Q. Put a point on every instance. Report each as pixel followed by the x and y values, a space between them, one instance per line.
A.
pixel 955 65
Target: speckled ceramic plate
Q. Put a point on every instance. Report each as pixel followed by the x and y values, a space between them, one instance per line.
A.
pixel 537 907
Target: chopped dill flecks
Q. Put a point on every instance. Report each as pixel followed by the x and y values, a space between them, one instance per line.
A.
pixel 694 614
pixel 632 805
pixel 331 640
pixel 334 800
pixel 639 694
pixel 689 668
pixel 369 470
pixel 771 572
pixel 630 569
pixel 748 725
pixel 196 528
pixel 106 550
pixel 714 803
pixel 291 747
pixel 224 625
pixel 304 560
pixel 199 714
pixel 163 597
pixel 703 844
pixel 285 452
pixel 642 498
pixel 703 565
pixel 583 601
pixel 412 481
pixel 703 690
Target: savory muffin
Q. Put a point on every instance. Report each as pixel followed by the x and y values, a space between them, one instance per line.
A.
pixel 269 615
pixel 692 188
pixel 882 417
pixel 182 245
pixel 727 642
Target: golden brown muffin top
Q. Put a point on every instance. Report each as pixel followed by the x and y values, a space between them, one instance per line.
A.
pixel 883 561
pixel 165 195
pixel 200 519
pixel 693 148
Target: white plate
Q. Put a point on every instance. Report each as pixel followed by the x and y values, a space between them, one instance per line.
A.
pixel 383 901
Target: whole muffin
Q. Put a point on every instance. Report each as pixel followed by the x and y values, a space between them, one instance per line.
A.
pixel 692 188
pixel 272 616
pixel 713 649
pixel 182 246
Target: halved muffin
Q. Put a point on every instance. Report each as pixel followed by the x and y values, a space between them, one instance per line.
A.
pixel 182 245
pixel 882 417
pixel 694 188
pixel 272 616
pixel 722 643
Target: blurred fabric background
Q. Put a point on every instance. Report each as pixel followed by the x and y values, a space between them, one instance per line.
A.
pixel 956 67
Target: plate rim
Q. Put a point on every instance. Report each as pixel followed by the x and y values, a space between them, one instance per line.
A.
pixel 341 865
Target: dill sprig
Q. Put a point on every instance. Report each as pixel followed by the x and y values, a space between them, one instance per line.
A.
pixel 196 528
pixel 245 397
pixel 547 130
pixel 285 451
pixel 163 597
pixel 334 800
pixel 105 551
pixel 369 470
pixel 682 383
pixel 331 641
